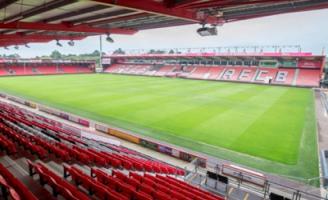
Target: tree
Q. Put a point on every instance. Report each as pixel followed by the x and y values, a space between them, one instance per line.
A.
pixel 160 52
pixel 11 56
pixel 152 51
pixel 95 53
pixel 171 51
pixel 56 55
pixel 119 51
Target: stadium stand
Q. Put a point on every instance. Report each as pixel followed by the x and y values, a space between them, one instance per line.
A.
pixel 15 134
pixel 308 77
pixel 87 156
pixel 47 69
pixel 20 129
pixel 214 73
pixel 287 78
pixel 291 69
pixel 164 70
pixel 40 67
pixel 277 76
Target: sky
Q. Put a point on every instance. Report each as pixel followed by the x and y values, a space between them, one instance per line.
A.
pixel 308 29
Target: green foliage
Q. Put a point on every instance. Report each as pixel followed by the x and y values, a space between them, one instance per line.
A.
pixel 270 128
pixel 56 55
pixel 119 51
pixel 153 51
pixel 11 56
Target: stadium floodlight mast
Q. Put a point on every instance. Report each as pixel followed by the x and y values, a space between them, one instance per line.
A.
pixel 70 43
pixel 109 39
pixel 58 43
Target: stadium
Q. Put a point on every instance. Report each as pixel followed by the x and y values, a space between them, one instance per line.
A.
pixel 235 122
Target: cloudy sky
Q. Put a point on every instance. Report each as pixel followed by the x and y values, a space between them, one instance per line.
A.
pixel 308 29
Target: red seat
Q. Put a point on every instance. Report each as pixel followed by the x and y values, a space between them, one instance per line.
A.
pixel 58 185
pixel 142 196
pixel 161 196
pixel 146 188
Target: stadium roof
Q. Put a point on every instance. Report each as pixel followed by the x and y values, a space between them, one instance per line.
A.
pixel 240 55
pixel 24 21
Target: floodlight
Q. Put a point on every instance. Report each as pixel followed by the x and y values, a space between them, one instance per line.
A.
pixel 70 43
pixel 109 39
pixel 207 31
pixel 58 43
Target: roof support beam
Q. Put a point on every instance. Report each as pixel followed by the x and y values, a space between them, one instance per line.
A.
pixel 66 27
pixel 102 15
pixel 75 13
pixel 40 37
pixel 276 9
pixel 151 6
pixel 116 19
pixel 4 4
pixel 185 3
pixel 228 3
pixel 21 42
pixel 39 9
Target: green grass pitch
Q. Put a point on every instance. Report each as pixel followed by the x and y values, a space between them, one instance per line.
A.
pixel 270 128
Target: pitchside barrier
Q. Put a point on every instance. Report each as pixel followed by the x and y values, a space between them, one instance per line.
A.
pixel 152 144
pixel 45 109
pixel 19 100
pixel 64 115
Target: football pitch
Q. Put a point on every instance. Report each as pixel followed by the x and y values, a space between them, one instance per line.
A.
pixel 270 128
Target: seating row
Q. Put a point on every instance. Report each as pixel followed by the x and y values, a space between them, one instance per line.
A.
pixel 12 187
pixel 88 156
pixel 92 186
pixel 59 185
pixel 252 74
pixel 23 140
pixel 17 70
pixel 151 187
pixel 7 145
pixel 135 163
pixel 52 148
pixel 169 185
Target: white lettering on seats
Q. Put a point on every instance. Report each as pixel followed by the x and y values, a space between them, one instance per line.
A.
pixel 281 76
pixel 262 75
pixel 228 74
pixel 245 74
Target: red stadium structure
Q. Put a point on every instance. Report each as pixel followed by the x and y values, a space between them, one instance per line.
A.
pixel 31 21
pixel 290 69
pixel 19 67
